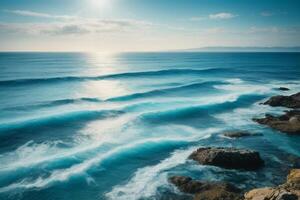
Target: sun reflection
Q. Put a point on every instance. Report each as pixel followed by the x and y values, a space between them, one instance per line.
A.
pixel 104 63
pixel 104 89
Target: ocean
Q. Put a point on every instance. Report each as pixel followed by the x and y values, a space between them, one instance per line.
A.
pixel 116 126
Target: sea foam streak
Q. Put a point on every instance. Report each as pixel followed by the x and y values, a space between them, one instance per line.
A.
pixel 82 168
pixel 146 180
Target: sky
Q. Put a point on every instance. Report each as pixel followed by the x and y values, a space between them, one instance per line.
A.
pixel 146 25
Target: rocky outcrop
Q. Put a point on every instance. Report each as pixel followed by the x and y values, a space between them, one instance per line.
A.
pixel 239 134
pixel 206 190
pixel 292 101
pixel 230 158
pixel 288 123
pixel 287 191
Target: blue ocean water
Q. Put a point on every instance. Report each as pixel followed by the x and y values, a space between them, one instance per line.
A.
pixel 98 126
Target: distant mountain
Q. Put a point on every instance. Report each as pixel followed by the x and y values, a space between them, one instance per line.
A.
pixel 243 49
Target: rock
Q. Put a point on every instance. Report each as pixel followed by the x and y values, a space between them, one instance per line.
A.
pixel 186 184
pixel 283 89
pixel 218 192
pixel 206 190
pixel 238 134
pixel 258 194
pixel 288 122
pixel 230 158
pixel 292 101
pixel 294 176
pixel 287 191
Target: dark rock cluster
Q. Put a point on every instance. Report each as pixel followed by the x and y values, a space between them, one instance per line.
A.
pixel 206 190
pixel 243 159
pixel 292 101
pixel 287 123
pixel 230 158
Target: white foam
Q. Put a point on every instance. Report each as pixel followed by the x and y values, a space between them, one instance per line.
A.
pixel 98 133
pixel 244 116
pixel 146 180
pixel 234 80
pixel 244 88
pixel 80 169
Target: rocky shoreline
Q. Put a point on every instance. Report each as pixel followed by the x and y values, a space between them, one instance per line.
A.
pixel 244 159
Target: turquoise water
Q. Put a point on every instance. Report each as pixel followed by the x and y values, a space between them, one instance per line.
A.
pixel 98 126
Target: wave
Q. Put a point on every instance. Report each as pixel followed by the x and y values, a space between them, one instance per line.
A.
pixel 79 169
pixel 229 103
pixel 146 180
pixel 59 102
pixel 167 91
pixel 58 119
pixel 142 74
pixel 106 158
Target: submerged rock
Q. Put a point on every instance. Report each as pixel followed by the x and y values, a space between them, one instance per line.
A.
pixel 238 134
pixel 186 184
pixel 288 122
pixel 287 191
pixel 283 89
pixel 292 101
pixel 230 158
pixel 206 190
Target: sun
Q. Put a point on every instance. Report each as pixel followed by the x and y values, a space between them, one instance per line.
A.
pixel 99 3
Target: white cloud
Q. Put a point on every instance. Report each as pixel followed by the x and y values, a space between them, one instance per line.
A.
pixel 222 15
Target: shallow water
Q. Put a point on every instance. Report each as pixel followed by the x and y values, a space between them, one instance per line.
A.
pixel 96 126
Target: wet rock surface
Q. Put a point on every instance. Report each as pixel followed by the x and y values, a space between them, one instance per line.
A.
pixel 288 122
pixel 239 134
pixel 292 101
pixel 230 158
pixel 203 190
pixel 287 191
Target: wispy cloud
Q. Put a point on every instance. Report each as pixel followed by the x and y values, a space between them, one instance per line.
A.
pixel 197 18
pixel 29 13
pixel 272 29
pixel 222 15
pixel 215 30
pixel 74 28
pixel 266 13
pixel 70 25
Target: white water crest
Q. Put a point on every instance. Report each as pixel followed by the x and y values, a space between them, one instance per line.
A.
pixel 80 169
pixel 146 180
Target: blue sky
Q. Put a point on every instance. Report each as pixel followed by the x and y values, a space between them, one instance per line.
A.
pixel 146 25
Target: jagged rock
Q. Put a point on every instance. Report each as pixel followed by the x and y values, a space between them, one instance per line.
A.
pixel 230 158
pixel 206 190
pixel 238 134
pixel 288 122
pixel 292 101
pixel 287 191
